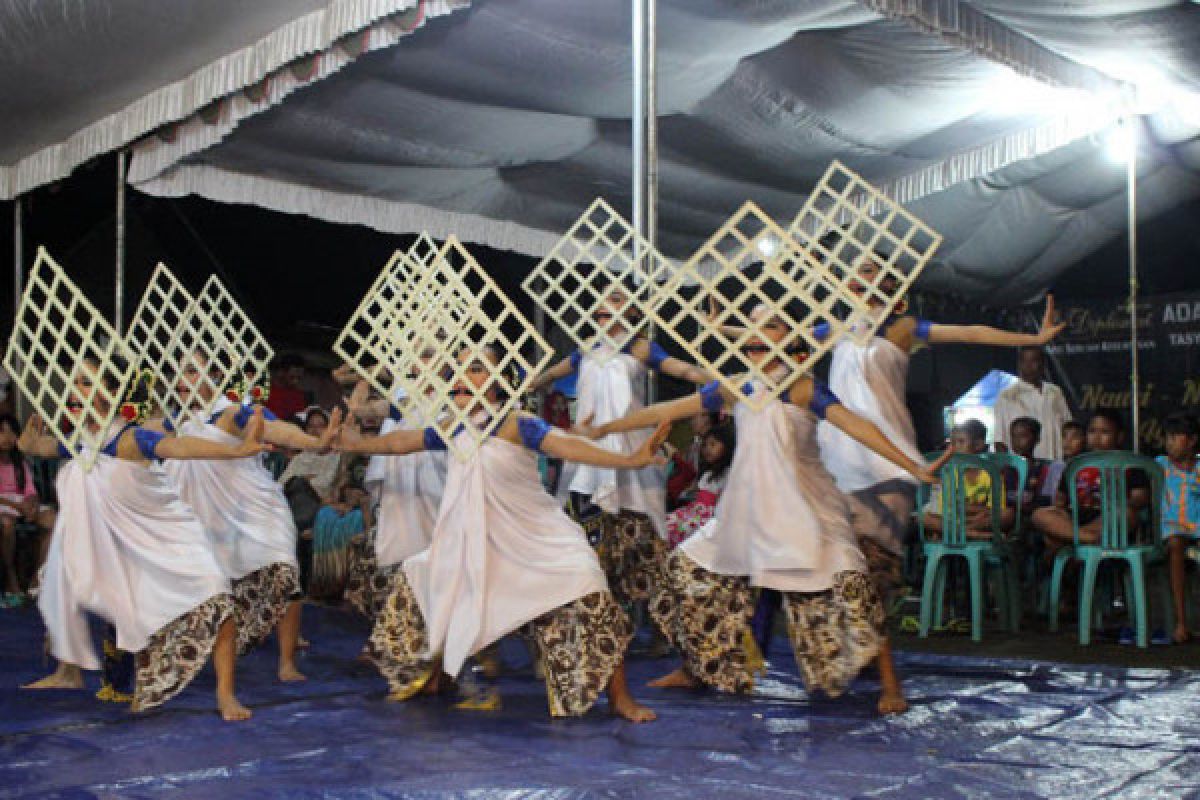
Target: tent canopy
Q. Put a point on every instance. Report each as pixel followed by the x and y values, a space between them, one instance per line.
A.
pixel 501 121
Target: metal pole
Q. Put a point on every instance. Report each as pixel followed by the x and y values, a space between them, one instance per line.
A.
pixel 18 285
pixel 650 60
pixel 119 305
pixel 1131 192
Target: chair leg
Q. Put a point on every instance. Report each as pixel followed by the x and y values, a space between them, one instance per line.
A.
pixel 939 588
pixel 929 593
pixel 1087 591
pixel 975 565
pixel 1056 580
pixel 1137 570
pixel 1013 584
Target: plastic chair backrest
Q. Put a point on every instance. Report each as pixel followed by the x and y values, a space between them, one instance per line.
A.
pixel 923 491
pixel 954 497
pixel 1020 466
pixel 1114 466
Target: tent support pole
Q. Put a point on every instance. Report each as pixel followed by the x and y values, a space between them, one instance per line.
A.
pixel 644 143
pixel 1134 382
pixel 18 281
pixel 119 289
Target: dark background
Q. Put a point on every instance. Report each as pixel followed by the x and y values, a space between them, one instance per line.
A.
pixel 300 278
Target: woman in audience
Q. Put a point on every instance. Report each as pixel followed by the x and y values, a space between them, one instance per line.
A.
pixel 18 502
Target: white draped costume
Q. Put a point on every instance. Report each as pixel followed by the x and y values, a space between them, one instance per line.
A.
pixel 126 548
pixel 504 552
pixel 608 390
pixel 240 505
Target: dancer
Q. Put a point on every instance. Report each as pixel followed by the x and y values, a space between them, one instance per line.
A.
pixel 633 502
pixel 128 549
pixel 780 524
pixel 870 380
pixel 409 494
pixel 245 513
pixel 505 556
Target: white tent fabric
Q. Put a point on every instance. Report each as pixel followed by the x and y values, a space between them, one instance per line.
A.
pixel 79 79
pixel 501 122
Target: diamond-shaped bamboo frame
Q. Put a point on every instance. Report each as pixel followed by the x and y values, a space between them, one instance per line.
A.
pixel 161 315
pixel 373 336
pixel 226 318
pixel 55 330
pixel 467 311
pixel 845 221
pixel 767 268
pixel 599 252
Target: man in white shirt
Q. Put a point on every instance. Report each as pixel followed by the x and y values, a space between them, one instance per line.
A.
pixel 1033 396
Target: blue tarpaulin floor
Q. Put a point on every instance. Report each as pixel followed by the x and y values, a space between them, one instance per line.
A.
pixel 978 728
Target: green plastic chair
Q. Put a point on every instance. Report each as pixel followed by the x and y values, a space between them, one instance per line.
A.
pixel 978 553
pixel 1114 543
pixel 1020 466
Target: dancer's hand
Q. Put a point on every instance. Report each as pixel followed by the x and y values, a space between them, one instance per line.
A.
pixel 1051 325
pixel 586 429
pixel 649 453
pixel 331 431
pixel 252 442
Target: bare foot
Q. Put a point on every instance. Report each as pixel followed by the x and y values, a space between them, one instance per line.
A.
pixel 65 677
pixel 231 710
pixel 289 674
pixel 302 643
pixel 1181 634
pixel 892 703
pixel 679 679
pixel 625 706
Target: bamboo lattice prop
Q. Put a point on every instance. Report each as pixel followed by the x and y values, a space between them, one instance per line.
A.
pixel 56 331
pixel 373 341
pixel 749 262
pixel 579 278
pixel 162 314
pixel 232 326
pixel 464 315
pixel 845 223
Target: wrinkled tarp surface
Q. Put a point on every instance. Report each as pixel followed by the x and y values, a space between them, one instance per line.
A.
pixel 1000 729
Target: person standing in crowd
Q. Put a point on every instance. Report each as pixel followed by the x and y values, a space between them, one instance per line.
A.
pixel 287 398
pixel 1181 508
pixel 1033 396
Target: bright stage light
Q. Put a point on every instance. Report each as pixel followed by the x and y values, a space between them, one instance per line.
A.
pixel 1120 145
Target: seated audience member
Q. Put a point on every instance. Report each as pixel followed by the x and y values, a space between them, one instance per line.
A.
pixel 287 397
pixel 1181 507
pixel 18 502
pixel 318 469
pixel 338 527
pixel 1041 477
pixel 969 438
pixel 555 411
pixel 717 454
pixel 1105 431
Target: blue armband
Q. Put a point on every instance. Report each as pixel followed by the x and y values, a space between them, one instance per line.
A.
pixel 63 452
pixel 168 425
pixel 147 442
pixel 821 331
pixel 575 358
pixel 433 440
pixel 656 356
pixel 532 430
pixel 922 329
pixel 710 397
pixel 822 399
pixel 395 414
pixel 246 412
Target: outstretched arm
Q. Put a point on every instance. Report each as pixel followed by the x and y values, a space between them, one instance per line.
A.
pixel 35 441
pixel 648 417
pixel 657 358
pixel 984 334
pixel 285 434
pixel 192 447
pixel 866 433
pixel 396 443
pixel 569 447
pixel 560 370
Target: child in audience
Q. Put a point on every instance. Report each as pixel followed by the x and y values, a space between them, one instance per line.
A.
pixel 1041 475
pixel 716 453
pixel 970 438
pixel 1105 431
pixel 1181 507
pixel 18 501
pixel 1074 437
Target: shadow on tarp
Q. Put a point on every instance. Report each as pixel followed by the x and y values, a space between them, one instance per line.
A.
pixel 978 728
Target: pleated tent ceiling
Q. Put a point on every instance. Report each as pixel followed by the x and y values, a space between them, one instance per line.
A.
pixel 501 120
